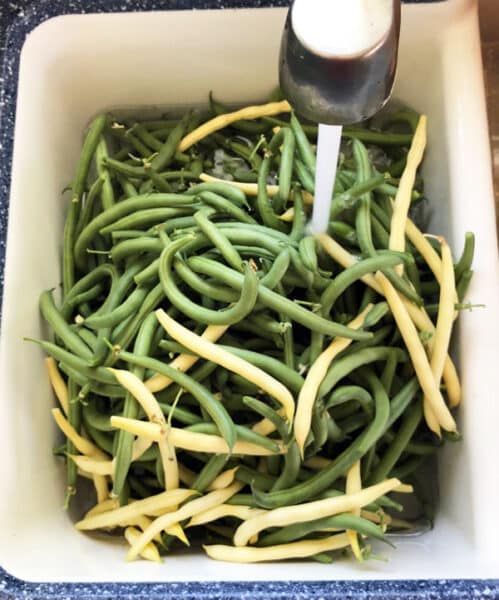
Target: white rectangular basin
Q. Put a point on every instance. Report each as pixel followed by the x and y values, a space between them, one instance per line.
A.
pixel 75 66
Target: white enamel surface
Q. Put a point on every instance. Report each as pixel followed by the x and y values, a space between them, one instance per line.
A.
pixel 71 68
pixel 341 27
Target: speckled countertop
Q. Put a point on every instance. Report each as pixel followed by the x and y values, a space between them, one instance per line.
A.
pixel 17 18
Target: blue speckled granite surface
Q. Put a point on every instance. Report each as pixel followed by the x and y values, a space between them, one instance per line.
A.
pixel 17 18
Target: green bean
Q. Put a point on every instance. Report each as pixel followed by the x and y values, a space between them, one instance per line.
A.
pixel 112 318
pixel 334 433
pixel 344 232
pixel 303 145
pixel 96 419
pixel 235 195
pixel 146 218
pixel 391 191
pixel 309 130
pixel 130 328
pixel 243 234
pixel 402 400
pixel 74 418
pixel 219 240
pixel 111 313
pixel 268 413
pixel 389 372
pixel 319 426
pixel 349 276
pixel 146 137
pixel 261 235
pixel 408 467
pixel 226 206
pixel 98 373
pixel 466 259
pixel 405 116
pixel 363 215
pixel 167 152
pixel 226 316
pixel 160 183
pixel 61 328
pixel 402 286
pixel 375 137
pixel 85 283
pixel 126 234
pixel 217 412
pixel 276 302
pixel 89 146
pixel 209 472
pixel 88 295
pixel 87 336
pixel 308 253
pixel 410 423
pixel 419 448
pixel 107 191
pixel 273 465
pixel 288 337
pixel 386 502
pixel 263 205
pixel 287 139
pixel 345 178
pixel 88 206
pixel 135 246
pixel 368 297
pixel 379 232
pixel 242 150
pixel 182 174
pixel 105 390
pixel 124 153
pixel 348 199
pixel 103 440
pixel 345 410
pixel 363 227
pixel 347 393
pixel 269 324
pixel 326 478
pixel 377 312
pixel 413 274
pixel 244 175
pixel 352 423
pixel 278 270
pixel 343 366
pixel 127 170
pixel 201 286
pixel 323 558
pixel 288 534
pixel 240 385
pixel 123 209
pixel 243 499
pixel 397 167
pixel 256 479
pixel 138 145
pixel 120 288
pixel 289 474
pixel 299 218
